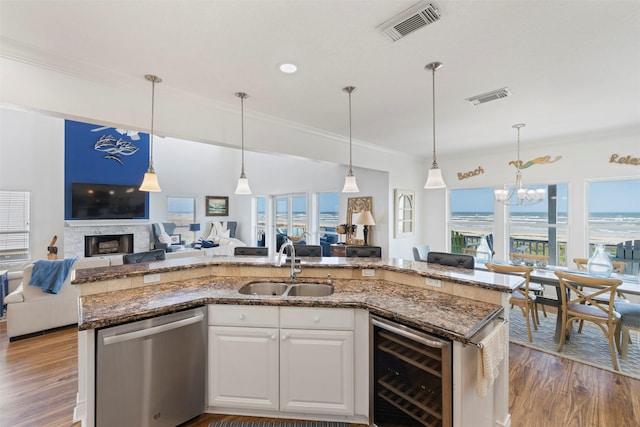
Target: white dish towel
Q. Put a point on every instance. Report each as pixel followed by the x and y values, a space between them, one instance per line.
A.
pixel 490 356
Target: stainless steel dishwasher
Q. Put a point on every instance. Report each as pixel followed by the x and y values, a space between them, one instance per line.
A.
pixel 151 372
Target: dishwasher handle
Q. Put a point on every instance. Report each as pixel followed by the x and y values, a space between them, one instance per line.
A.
pixel 153 330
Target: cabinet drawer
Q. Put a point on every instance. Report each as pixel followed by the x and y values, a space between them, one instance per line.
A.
pixel 243 315
pixel 316 318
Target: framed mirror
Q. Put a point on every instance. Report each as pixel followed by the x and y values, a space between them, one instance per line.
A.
pixel 405 212
pixel 355 205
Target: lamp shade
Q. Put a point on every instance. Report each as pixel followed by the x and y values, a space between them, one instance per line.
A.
pixel 365 218
pixel 350 185
pixel 434 180
pixel 194 227
pixel 150 182
pixel 243 186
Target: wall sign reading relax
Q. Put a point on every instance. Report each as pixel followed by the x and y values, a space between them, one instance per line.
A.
pixel 628 160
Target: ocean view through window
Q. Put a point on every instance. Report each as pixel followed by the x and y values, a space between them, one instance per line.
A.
pixel 614 220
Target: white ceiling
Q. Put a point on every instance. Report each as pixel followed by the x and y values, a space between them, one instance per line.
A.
pixel 573 66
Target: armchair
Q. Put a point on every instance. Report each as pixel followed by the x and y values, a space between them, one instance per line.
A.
pixel 169 228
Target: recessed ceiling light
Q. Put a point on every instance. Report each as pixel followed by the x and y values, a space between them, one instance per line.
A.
pixel 288 68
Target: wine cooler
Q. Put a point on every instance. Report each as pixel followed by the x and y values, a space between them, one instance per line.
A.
pixel 410 377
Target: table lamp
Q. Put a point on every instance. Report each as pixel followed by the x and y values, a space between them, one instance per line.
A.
pixel 195 228
pixel 366 220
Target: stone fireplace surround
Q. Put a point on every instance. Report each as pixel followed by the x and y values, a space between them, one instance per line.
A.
pixel 75 232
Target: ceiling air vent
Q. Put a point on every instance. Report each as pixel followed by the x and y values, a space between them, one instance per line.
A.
pixel 412 19
pixel 490 96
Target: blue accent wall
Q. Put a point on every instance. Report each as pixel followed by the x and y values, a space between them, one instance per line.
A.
pixel 121 158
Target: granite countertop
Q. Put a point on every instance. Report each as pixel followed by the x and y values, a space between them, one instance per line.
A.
pixel 479 278
pixel 445 315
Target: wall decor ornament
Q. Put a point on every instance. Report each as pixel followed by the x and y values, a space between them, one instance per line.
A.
pixel 404 208
pixel 355 205
pixel 217 206
pixel 624 160
pixel 537 161
pixel 115 147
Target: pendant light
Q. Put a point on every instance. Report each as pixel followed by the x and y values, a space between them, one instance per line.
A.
pixel 350 185
pixel 434 180
pixel 150 181
pixel 243 182
pixel 525 197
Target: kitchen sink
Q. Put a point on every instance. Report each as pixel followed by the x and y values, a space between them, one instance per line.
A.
pixel 287 289
pixel 264 288
pixel 310 290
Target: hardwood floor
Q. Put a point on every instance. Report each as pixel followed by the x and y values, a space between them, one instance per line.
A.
pixel 38 384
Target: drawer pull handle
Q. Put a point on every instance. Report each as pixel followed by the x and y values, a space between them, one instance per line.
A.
pixel 242 316
pixel 316 319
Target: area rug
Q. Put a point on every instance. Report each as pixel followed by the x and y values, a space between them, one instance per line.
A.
pixel 589 347
pixel 276 424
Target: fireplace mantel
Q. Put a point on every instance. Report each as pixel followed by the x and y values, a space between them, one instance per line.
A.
pixel 75 231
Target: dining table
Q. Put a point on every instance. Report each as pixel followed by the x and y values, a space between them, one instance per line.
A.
pixel 546 276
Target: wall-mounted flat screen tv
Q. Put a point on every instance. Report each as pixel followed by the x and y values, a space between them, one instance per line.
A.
pixel 107 201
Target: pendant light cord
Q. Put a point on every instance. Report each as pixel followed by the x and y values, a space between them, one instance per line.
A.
pixel 349 90
pixel 350 149
pixel 153 96
pixel 433 109
pixel 242 96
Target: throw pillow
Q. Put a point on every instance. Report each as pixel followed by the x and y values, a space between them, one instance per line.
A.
pixel 164 238
pixel 208 244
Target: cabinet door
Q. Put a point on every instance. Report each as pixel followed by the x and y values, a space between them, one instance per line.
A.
pixel 243 367
pixel 316 369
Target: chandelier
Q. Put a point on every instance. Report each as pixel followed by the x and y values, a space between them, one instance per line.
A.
pixel 518 195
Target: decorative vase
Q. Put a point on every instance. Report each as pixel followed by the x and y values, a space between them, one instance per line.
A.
pixel 600 264
pixel 483 253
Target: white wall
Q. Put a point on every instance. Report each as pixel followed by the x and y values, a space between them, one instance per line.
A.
pixel 581 161
pixel 32 159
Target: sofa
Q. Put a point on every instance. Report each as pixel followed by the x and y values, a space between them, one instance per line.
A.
pixel 30 310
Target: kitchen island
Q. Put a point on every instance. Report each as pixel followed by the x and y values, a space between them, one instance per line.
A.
pixel 455 304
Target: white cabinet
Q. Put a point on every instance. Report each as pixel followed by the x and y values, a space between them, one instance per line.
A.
pixel 241 367
pixel 288 359
pixel 316 371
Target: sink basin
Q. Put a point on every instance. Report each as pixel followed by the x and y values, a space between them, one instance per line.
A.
pixel 287 289
pixel 264 288
pixel 310 290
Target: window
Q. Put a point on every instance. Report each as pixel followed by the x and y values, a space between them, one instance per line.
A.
pixel 328 216
pixel 292 217
pixel 182 212
pixel 14 225
pixel 261 220
pixel 472 217
pixel 614 220
pixel 541 229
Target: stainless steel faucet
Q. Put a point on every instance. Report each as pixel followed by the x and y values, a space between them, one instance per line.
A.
pixel 289 244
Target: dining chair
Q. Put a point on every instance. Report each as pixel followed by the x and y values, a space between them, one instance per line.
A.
pixel 536 288
pixel 618 267
pixel 629 320
pixel 586 307
pixel 522 297
pixel 251 250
